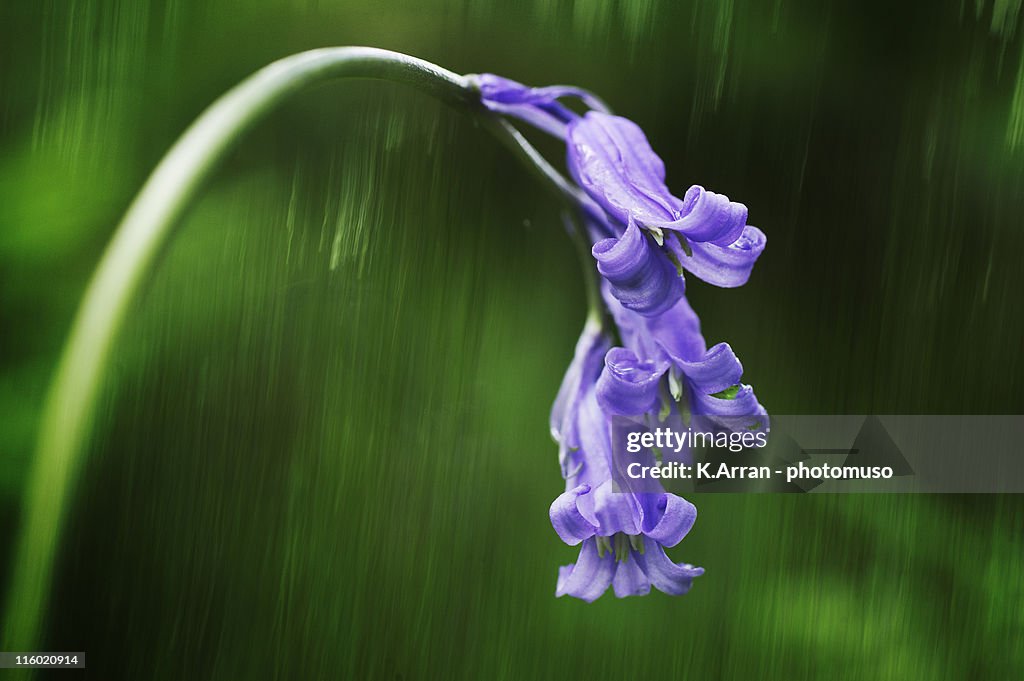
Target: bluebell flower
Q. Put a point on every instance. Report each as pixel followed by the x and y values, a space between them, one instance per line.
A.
pixel 643 239
pixel 623 535
pixel 707 380
pixel 583 435
pixel 630 560
pixel 703 232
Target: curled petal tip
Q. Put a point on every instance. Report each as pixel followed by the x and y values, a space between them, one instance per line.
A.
pixel 628 386
pixel 666 576
pixel 718 369
pixel 641 276
pixel 677 516
pixel 569 523
pixel 710 217
pixel 726 266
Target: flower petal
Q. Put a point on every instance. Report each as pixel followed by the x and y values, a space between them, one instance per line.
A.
pixel 642 278
pixel 666 576
pixel 725 266
pixel 615 511
pixel 590 577
pixel 672 519
pixel 566 518
pixel 611 159
pixel 633 327
pixel 584 369
pixel 594 455
pixel 628 386
pixel 677 332
pixel 630 580
pixel 717 370
pixel 711 217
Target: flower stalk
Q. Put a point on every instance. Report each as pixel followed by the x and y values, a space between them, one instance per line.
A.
pixel 141 237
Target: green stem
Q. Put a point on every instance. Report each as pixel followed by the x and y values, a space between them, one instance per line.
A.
pixel 143 233
pixel 596 309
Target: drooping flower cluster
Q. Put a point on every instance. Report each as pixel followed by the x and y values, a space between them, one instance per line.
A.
pixel 663 372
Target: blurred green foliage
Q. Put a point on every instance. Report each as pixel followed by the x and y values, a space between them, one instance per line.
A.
pixel 323 451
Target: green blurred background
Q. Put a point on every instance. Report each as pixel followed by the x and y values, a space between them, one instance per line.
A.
pixel 323 451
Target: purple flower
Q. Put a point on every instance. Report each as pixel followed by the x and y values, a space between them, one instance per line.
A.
pixel 585 446
pixel 628 552
pixel 703 232
pixel 643 239
pixel 707 379
pixel 539 106
pixel 623 534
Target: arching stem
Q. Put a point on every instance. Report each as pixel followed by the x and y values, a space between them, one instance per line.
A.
pixel 145 230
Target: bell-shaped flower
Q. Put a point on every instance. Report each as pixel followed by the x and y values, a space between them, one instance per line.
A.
pixel 704 233
pixel 623 534
pixel 709 380
pixel 711 377
pixel 580 426
pixel 630 557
